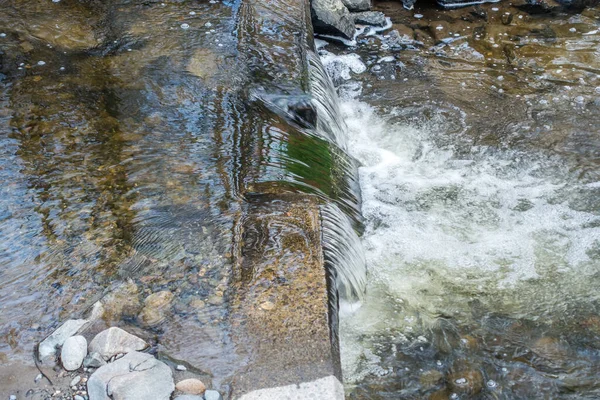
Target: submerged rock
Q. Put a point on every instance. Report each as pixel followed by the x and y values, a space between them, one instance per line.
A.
pixel 191 386
pixel 73 352
pixel 47 348
pixel 332 17
pixel 357 5
pixel 155 307
pixel 113 341
pixel 465 378
pixel 136 376
pixel 375 18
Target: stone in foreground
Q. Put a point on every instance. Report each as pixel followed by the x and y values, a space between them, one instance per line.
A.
pixel 191 386
pixel 136 376
pixel 48 346
pixel 212 395
pixel 113 341
pixel 73 352
pixel 333 18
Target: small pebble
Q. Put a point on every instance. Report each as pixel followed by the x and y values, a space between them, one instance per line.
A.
pixel 418 16
pixel 78 397
pixel 12 397
pixel 41 63
pixel 185 26
pixel 212 395
pixel 181 368
pixel 495 9
pixel 572 30
pixel 192 12
pixel 2 34
pixel 491 384
pixel 38 378
pixel 208 24
pixel 75 381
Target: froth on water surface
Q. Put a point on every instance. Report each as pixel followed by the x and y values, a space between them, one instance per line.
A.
pixel 483 266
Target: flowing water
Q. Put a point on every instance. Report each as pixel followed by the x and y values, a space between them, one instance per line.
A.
pixel 480 188
pixel 147 147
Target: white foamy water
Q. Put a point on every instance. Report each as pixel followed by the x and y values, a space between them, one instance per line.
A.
pixel 515 231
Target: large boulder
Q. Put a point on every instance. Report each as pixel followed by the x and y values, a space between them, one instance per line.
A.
pixel 135 376
pixel 333 18
pixel 113 341
pixel 357 5
pixel 47 348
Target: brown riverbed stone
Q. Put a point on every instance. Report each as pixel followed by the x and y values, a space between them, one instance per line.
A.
pixel 191 386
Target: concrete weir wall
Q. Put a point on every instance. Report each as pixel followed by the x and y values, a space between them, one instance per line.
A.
pixel 284 304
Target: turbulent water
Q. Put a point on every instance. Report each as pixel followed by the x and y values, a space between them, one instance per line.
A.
pixel 482 236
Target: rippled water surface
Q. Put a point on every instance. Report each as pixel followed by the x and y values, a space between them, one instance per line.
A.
pixel 479 144
pixel 134 135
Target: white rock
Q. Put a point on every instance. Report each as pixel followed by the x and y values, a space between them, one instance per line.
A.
pixel 75 381
pixel 73 352
pixel 212 395
pixel 47 348
pixel 113 341
pixel 136 376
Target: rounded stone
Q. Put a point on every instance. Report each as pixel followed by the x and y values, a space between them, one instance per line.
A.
pixel 212 395
pixel 465 379
pixel 191 386
pixel 73 352
pixel 430 378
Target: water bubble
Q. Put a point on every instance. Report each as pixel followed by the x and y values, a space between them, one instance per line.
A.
pixel 439 27
pixel 454 396
pixel 439 363
pixel 185 26
pixel 208 24
pixel 418 16
pixel 40 63
pixel 504 369
pixel 495 9
pixel 572 30
pixel 460 381
pixel 2 34
pixel 62 68
pixel 491 384
pixel 192 12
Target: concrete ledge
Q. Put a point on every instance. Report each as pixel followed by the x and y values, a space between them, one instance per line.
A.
pixel 325 388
